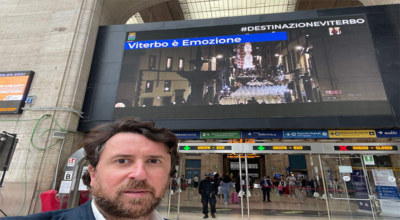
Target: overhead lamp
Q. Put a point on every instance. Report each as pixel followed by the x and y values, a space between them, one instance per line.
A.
pixel 299 47
pixel 219 56
pixel 277 55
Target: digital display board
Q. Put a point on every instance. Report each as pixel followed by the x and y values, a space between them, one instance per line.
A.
pixel 366 148
pixel 288 68
pixel 236 156
pixel 205 147
pixel 277 148
pixel 14 87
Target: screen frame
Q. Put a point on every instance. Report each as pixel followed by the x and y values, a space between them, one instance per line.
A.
pixel 25 92
pixel 102 86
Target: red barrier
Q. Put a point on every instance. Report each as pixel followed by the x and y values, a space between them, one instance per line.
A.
pixel 49 201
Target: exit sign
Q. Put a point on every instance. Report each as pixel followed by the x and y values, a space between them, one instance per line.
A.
pixel 369 160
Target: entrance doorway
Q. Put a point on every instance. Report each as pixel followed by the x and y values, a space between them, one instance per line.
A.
pixel 326 184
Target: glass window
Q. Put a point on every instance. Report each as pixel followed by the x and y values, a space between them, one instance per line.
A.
pixel 149 86
pixel 167 86
pixel 181 64
pixel 152 62
pixel 169 63
pixel 166 101
pixel 148 102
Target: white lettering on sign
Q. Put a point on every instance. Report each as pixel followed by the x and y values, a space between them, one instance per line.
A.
pixel 303 25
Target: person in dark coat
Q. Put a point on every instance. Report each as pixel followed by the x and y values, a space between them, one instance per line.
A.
pixel 208 189
pixel 266 187
pixel 237 184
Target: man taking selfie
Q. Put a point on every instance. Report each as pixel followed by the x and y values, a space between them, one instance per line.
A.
pixel 130 164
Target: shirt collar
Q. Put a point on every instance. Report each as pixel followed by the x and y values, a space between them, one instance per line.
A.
pixel 96 212
pixel 98 216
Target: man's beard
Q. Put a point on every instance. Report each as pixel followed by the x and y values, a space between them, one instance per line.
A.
pixel 134 208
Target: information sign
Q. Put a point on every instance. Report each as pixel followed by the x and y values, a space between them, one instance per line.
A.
pixel 387 133
pixel 352 134
pixel 306 134
pixel 187 135
pixel 216 148
pixel 14 87
pixel 220 134
pixel 249 156
pixel 365 148
pixel 277 148
pixel 386 191
pixel 369 160
pixel 262 134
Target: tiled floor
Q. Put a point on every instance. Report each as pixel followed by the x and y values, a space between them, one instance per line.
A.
pixel 280 208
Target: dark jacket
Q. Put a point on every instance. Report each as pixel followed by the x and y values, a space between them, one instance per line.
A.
pixel 83 212
pixel 208 185
pixel 237 185
pixel 265 183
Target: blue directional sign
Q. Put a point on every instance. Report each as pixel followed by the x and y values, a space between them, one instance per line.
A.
pixel 387 133
pixel 261 134
pixel 306 134
pixel 205 41
pixel 187 134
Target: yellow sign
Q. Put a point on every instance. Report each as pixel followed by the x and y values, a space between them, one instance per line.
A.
pixel 203 148
pixel 352 133
pixel 238 141
pixel 249 156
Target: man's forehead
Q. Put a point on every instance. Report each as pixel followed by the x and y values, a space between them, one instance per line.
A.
pixel 133 142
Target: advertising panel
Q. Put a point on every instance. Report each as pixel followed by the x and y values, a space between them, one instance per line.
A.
pixel 386 189
pixel 360 187
pixel 14 87
pixel 258 70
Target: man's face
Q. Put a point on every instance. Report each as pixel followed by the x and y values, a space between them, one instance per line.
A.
pixel 131 177
pixel 265 177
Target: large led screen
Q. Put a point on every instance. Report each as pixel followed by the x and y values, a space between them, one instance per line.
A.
pixel 321 67
pixel 14 87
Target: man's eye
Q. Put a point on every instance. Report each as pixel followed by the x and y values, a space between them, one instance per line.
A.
pixel 122 161
pixel 154 161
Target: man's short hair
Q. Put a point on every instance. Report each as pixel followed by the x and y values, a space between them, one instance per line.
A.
pixel 95 141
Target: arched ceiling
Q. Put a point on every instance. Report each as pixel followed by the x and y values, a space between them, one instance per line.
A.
pixel 379 2
pixel 120 11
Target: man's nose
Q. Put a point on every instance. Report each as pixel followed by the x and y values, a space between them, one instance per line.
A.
pixel 138 171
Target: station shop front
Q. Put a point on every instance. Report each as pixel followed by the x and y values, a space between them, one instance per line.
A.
pixel 340 181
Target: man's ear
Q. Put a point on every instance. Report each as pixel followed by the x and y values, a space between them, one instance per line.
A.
pixel 92 172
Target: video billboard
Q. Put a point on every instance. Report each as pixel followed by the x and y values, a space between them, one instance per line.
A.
pixel 319 67
pixel 14 87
